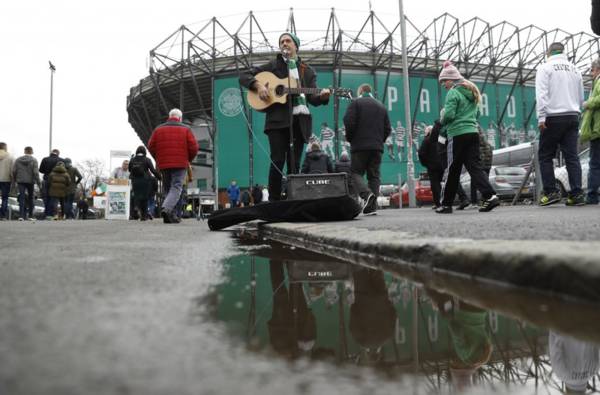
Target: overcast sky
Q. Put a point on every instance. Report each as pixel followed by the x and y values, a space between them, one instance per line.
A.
pixel 100 50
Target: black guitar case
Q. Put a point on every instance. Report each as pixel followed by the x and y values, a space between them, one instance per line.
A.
pixel 338 208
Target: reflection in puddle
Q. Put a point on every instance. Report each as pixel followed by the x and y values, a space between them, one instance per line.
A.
pixel 293 304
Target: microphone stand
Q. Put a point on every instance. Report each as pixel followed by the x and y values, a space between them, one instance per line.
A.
pixel 292 169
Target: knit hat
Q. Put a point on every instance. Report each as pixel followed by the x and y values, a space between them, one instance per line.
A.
pixel 295 39
pixel 450 72
pixel 140 150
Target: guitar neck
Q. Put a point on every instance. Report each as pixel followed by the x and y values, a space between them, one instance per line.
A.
pixel 306 91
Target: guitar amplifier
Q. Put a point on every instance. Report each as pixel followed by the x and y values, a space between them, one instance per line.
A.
pixel 314 186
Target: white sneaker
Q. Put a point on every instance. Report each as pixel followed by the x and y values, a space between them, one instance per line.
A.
pixel 31 219
pixel 21 219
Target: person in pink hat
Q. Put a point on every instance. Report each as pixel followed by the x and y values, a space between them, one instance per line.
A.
pixel 459 121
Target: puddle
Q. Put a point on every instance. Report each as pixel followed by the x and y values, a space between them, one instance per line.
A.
pixel 292 305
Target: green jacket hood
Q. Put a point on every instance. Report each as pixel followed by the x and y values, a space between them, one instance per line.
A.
pixel 466 92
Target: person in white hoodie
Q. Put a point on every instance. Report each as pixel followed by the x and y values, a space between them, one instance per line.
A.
pixel 573 361
pixel 559 99
pixel 6 164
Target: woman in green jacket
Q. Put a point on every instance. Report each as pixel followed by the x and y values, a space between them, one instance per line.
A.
pixel 459 117
pixel 590 131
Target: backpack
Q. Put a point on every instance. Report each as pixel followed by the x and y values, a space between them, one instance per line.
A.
pixel 138 168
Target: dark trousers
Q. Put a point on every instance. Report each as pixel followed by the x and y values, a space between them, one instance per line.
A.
pixel 463 150
pixel 4 190
pixel 69 206
pixel 279 143
pixel 435 180
pixel 594 171
pixel 366 162
pixel 474 188
pixel 25 200
pixel 561 131
pixel 49 209
pixel 142 206
pixel 53 205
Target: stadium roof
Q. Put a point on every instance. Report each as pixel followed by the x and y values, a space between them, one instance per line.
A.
pixel 184 65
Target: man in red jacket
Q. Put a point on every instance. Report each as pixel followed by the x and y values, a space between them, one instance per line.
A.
pixel 173 145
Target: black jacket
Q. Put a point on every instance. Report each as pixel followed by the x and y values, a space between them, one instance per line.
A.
pixel 145 163
pixel 278 114
pixel 367 124
pixel 317 162
pixel 343 166
pixel 595 17
pixel 429 152
pixel 48 164
pixel 257 194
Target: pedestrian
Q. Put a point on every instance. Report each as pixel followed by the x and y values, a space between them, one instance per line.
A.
pixel 6 178
pixel 277 120
pixel 140 170
pixel 316 161
pixel 595 17
pixel 122 172
pixel 256 194
pixel 59 182
pixel 343 164
pixel 265 194
pixel 233 194
pixel 76 178
pixel 83 207
pixel 575 362
pixel 152 197
pixel 430 158
pixel 245 198
pixel 173 145
pixel 46 167
pixel 486 156
pixel 459 116
pixel 367 127
pixel 559 98
pixel 590 131
pixel 26 174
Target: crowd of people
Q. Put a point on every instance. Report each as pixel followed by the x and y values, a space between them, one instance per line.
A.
pixel 58 184
pixel 453 143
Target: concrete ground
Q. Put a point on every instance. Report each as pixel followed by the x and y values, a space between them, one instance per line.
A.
pixel 110 307
pixel 552 249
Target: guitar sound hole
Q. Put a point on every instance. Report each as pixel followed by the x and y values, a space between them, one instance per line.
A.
pixel 279 90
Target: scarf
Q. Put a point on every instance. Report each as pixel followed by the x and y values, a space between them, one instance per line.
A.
pixel 298 101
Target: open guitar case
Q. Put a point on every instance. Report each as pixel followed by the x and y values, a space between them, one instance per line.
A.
pixel 311 198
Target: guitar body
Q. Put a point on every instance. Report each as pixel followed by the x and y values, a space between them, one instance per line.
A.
pixel 276 90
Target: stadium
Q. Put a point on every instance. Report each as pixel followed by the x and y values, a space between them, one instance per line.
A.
pixel 197 70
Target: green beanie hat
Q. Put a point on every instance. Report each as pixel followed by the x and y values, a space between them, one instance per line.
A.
pixel 294 38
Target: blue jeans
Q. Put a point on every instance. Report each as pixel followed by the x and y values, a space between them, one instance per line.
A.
pixel 561 131
pixel 172 185
pixel 4 190
pixel 25 202
pixel 594 172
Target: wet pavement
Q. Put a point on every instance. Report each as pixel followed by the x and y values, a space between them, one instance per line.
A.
pixel 293 305
pixel 101 307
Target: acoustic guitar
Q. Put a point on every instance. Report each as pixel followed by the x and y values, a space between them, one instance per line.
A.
pixel 278 91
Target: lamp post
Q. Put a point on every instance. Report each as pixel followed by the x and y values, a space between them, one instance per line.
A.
pixel 52 70
pixel 410 167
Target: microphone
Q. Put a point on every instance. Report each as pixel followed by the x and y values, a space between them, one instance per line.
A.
pixel 285 53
